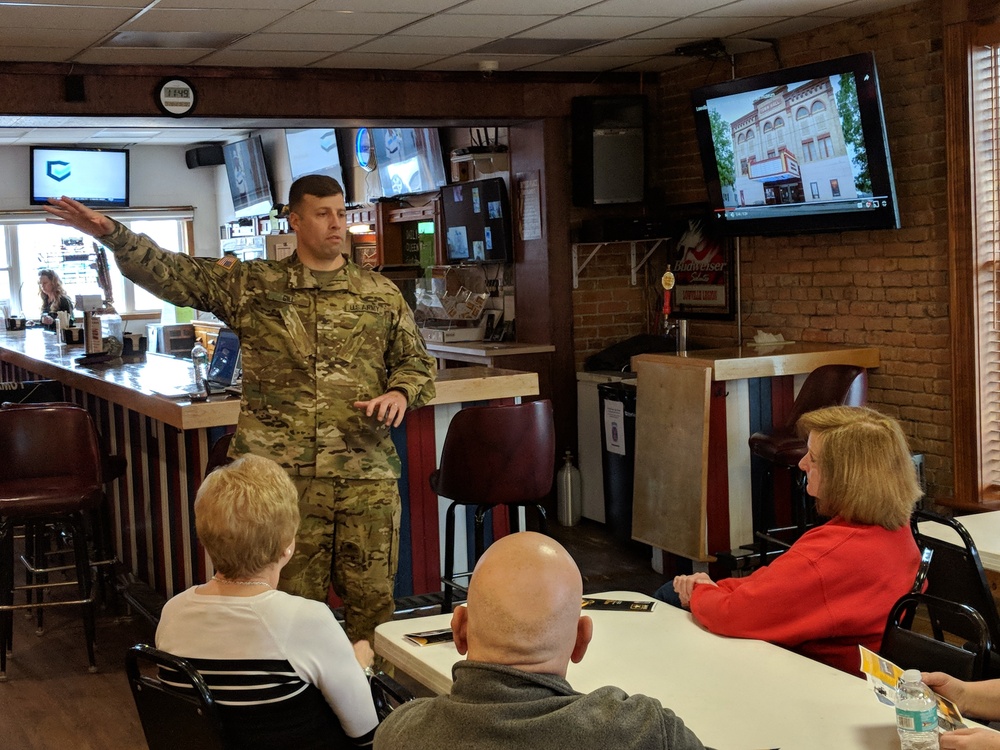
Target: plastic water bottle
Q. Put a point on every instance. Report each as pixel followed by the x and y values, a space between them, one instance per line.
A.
pixel 916 713
pixel 569 505
pixel 199 361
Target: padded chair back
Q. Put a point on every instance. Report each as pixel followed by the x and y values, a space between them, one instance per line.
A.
pixel 498 455
pixel 956 574
pixel 171 719
pixel 219 453
pixel 911 650
pixel 48 447
pixel 830 385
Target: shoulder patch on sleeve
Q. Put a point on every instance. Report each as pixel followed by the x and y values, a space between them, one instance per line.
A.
pixel 227 261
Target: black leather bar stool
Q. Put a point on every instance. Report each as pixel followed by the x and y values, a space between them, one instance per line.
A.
pixel 51 472
pixel 782 447
pixel 492 456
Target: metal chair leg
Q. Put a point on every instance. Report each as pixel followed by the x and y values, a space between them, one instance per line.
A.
pixel 83 585
pixel 449 558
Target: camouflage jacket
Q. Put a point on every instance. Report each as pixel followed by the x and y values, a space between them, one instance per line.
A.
pixel 309 352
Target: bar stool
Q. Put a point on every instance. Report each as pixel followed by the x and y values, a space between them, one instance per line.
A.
pixel 113 467
pixel 51 471
pixel 493 455
pixel 827 385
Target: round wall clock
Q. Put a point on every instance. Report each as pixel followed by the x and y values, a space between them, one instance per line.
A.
pixel 364 149
pixel 175 96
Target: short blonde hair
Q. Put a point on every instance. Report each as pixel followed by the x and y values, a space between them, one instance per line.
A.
pixel 868 475
pixel 246 515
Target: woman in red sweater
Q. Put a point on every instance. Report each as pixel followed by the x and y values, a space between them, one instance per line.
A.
pixel 834 588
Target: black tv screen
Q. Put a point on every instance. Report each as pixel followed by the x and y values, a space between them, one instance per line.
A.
pixel 477 221
pixel 797 150
pixel 314 151
pixel 97 177
pixel 409 160
pixel 248 180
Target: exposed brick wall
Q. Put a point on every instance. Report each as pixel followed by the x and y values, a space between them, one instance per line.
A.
pixel 887 289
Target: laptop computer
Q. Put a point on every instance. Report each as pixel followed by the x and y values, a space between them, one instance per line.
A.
pixel 225 370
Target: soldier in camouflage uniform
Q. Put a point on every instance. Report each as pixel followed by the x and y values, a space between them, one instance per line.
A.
pixel 332 358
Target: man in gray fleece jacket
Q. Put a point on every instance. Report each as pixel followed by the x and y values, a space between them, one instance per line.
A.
pixel 520 629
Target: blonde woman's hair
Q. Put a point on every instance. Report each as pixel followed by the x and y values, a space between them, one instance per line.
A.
pixel 868 475
pixel 246 515
pixel 57 287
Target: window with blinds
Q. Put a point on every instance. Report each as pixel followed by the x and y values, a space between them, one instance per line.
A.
pixel 985 91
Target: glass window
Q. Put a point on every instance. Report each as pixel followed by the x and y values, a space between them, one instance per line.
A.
pixel 814 189
pixel 825 147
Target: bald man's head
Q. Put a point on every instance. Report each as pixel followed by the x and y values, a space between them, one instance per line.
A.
pixel 524 606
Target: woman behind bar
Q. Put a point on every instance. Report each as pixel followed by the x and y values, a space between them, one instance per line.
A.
pixel 54 298
pixel 834 587
pixel 279 665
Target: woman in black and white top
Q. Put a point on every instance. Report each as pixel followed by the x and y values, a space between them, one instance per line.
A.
pixel 280 666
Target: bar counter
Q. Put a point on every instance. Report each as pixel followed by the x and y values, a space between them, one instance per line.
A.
pixel 166 442
pixel 695 413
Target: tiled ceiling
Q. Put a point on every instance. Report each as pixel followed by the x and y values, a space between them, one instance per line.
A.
pixel 427 35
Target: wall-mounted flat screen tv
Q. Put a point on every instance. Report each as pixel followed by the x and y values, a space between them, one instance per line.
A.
pixel 798 150
pixel 409 160
pixel 248 180
pixel 477 221
pixel 97 177
pixel 314 151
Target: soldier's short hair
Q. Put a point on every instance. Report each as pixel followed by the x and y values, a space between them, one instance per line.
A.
pixel 246 515
pixel 319 185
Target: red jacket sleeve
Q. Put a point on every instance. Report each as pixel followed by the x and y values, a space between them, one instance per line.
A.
pixel 784 603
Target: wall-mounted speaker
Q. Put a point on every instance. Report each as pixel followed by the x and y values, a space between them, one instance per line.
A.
pixel 204 156
pixel 73 88
pixel 609 149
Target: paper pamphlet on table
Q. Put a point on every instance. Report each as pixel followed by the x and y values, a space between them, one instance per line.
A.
pixel 883 675
pixel 616 605
pixel 430 637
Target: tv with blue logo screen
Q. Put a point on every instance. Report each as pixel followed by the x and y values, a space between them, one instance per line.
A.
pixel 97 177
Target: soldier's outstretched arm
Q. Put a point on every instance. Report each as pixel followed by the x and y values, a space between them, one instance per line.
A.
pixel 70 213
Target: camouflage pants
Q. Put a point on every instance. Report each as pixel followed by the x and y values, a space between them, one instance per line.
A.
pixel 349 534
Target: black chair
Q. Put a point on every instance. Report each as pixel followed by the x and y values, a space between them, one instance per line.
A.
pixel 218 454
pixel 956 573
pixel 387 694
pixel 909 649
pixel 493 456
pixel 172 719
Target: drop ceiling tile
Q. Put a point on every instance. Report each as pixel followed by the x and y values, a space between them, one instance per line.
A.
pixel 764 8
pixel 140 56
pixel 230 5
pixel 64 17
pixel 592 27
pixel 168 19
pixel 791 26
pixel 290 42
pixel 263 58
pixel 630 48
pixel 458 25
pixel 422 45
pixel 44 54
pixel 657 64
pixel 62 135
pixel 311 21
pixel 520 7
pixel 642 8
pixel 64 38
pixel 701 27
pixel 380 61
pixel 368 7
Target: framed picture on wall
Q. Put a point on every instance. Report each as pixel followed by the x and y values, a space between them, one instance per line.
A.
pixel 704 274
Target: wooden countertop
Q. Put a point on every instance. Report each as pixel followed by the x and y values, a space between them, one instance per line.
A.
pixel 487 348
pixel 750 361
pixel 135 384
